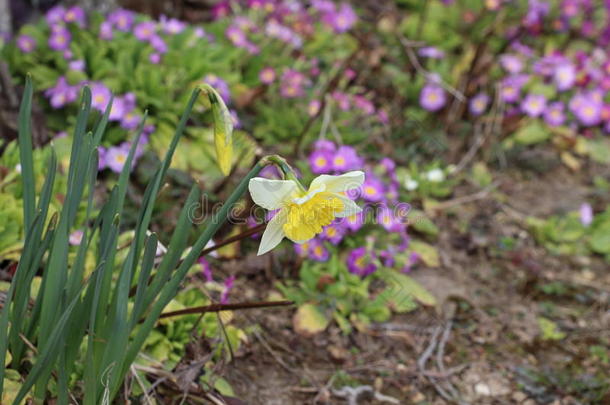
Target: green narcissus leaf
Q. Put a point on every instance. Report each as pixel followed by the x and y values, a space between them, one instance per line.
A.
pixel 309 320
pixel 223 129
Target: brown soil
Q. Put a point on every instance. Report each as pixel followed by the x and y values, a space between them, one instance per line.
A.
pixel 485 338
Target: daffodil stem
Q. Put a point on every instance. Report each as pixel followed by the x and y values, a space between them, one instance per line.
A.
pixel 214 224
pixel 286 169
pixel 173 285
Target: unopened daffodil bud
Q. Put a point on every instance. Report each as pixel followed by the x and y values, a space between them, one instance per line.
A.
pixel 223 129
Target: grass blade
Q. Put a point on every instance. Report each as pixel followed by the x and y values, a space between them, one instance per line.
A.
pixel 25 154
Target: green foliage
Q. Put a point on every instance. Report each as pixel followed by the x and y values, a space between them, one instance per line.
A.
pixel 72 307
pixel 166 343
pixel 550 330
pixel 428 180
pixel 531 133
pixel 328 291
pixel 567 235
pixel 123 64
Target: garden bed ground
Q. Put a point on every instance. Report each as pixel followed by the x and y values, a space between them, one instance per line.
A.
pixel 486 328
pixel 514 323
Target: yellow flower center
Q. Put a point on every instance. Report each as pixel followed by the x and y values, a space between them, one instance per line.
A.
pixel 361 261
pixel 320 161
pixel 304 221
pixel 268 75
pixel 339 160
pixel 588 112
pixel 291 91
pixel 370 190
pixel 121 158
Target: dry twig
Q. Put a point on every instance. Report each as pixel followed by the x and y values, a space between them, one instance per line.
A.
pixel 351 394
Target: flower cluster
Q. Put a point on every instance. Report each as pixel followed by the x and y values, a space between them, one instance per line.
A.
pixel 287 20
pixel 380 193
pixel 563 86
pixel 152 71
pixel 559 88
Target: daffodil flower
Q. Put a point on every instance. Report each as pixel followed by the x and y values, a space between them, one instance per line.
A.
pixel 303 213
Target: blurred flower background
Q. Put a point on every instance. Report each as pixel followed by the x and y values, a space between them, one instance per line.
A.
pixel 482 128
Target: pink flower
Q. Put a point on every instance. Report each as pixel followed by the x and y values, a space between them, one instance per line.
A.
pixel 533 105
pixel 116 156
pixel 586 214
pixel 75 15
pixel 361 262
pixel 60 38
pixel 26 43
pixel 228 286
pixel 145 30
pixel 346 159
pixel 432 97
pixel 122 19
pixel 317 251
pixel 373 189
pixel 313 108
pixel 342 19
pixel 100 96
pixel 478 104
pixel 76 237
pixel 267 75
pixel 320 162
pixel 554 114
pixel 206 269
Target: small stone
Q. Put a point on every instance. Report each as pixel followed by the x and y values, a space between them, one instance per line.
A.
pixel 482 389
pixel 338 353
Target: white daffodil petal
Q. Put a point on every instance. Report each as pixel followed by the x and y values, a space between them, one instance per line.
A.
pixel 274 233
pixel 349 207
pixel 270 194
pixel 339 184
